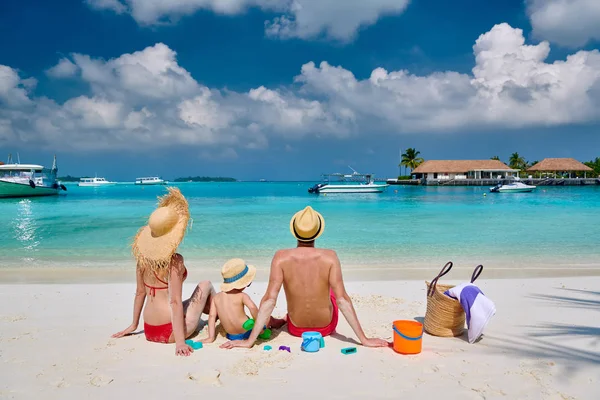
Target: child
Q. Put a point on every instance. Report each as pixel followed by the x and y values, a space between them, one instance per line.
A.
pixel 228 305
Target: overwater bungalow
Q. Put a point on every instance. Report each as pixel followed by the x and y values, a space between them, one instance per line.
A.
pixel 554 166
pixel 445 170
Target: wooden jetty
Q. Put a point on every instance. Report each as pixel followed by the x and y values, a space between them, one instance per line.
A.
pixel 493 182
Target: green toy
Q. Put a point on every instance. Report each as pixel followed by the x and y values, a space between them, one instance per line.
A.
pixel 249 325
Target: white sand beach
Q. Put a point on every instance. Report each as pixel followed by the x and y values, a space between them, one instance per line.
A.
pixel 543 343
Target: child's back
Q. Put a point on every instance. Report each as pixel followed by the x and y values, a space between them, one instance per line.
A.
pixel 230 310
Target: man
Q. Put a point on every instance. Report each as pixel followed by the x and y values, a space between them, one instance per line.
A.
pixel 313 286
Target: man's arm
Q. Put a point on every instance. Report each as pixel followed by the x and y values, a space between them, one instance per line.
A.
pixel 267 305
pixel 345 304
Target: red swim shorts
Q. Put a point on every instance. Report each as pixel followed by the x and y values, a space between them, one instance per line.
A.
pixel 326 331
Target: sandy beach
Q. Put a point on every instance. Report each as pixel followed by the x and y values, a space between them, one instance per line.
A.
pixel 543 343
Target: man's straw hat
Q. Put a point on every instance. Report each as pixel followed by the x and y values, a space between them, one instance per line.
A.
pixel 307 225
pixel 155 243
pixel 236 274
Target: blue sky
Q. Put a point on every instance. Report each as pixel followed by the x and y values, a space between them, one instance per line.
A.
pixel 237 88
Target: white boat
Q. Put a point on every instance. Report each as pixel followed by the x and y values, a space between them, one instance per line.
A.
pixel 28 180
pixel 348 183
pixel 94 182
pixel 516 186
pixel 152 180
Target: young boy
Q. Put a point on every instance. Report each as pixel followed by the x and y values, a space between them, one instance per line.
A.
pixel 228 305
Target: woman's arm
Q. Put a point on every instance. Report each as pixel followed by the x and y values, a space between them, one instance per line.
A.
pixel 175 289
pixel 138 304
pixel 212 323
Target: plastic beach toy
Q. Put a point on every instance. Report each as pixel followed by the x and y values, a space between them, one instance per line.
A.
pixel 249 325
pixel 312 342
pixel 349 350
pixel 194 345
pixel 408 337
pixel 285 348
pixel 267 348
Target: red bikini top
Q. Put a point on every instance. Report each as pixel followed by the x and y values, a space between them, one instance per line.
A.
pixel 153 289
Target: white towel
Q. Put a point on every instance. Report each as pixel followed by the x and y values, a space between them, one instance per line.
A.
pixel 478 308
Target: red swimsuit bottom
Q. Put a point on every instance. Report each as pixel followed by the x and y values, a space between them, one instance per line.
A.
pixel 159 333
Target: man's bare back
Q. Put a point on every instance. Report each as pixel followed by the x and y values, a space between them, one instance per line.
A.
pixel 306 273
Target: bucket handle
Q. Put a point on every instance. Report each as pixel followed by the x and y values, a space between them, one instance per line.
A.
pixel 443 272
pixel 308 341
pixel 477 272
pixel 407 337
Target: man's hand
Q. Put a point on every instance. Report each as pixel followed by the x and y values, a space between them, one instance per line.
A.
pixel 125 332
pixel 375 343
pixel 237 343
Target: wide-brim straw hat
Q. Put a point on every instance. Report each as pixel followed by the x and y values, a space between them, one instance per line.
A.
pixel 307 225
pixel 237 274
pixel 156 242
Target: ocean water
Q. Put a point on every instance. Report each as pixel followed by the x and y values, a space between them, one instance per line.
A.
pixel 408 226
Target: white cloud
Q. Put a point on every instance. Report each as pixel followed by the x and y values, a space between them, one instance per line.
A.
pixel 64 69
pixel 113 5
pixel 147 100
pixel 304 19
pixel 569 23
pixel 307 19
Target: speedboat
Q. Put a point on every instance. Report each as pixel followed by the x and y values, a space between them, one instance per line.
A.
pixel 94 182
pixel 516 186
pixel 28 180
pixel 348 183
pixel 152 180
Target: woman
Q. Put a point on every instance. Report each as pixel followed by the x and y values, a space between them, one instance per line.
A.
pixel 160 275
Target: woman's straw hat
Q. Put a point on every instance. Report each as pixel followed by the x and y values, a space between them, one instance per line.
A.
pixel 236 274
pixel 307 225
pixel 155 243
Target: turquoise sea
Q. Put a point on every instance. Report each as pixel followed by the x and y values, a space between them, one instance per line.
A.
pixel 406 227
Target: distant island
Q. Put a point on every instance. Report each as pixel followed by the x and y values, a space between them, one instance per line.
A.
pixel 205 179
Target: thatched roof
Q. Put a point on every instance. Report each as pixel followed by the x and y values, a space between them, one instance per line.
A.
pixel 559 164
pixel 458 166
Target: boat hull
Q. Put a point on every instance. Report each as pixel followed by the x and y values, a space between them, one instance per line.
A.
pixel 352 189
pixel 151 183
pixel 95 184
pixel 517 190
pixel 10 189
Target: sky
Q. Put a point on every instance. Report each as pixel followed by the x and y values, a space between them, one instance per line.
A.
pixel 290 89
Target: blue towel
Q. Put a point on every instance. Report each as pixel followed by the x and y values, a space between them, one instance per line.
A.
pixel 239 336
pixel 478 308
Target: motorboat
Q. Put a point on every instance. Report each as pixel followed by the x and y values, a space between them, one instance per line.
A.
pixel 513 186
pixel 28 180
pixel 348 183
pixel 152 180
pixel 94 182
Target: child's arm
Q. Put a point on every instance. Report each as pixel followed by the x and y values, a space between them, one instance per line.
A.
pixel 212 322
pixel 250 304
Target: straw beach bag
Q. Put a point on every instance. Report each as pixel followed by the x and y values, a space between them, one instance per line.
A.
pixel 445 316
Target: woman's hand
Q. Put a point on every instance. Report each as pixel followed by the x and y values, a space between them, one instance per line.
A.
pixel 183 350
pixel 128 331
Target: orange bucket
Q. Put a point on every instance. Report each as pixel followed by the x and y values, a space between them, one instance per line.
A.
pixel 408 337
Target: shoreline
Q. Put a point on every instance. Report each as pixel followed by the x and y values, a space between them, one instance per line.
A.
pixel 361 273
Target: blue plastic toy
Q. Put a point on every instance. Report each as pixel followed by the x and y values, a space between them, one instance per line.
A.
pixel 349 350
pixel 267 348
pixel 312 342
pixel 194 345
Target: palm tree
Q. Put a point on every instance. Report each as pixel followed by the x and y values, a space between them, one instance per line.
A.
pixel 411 159
pixel 516 161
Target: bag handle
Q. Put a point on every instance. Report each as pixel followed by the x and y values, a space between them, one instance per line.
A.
pixel 443 272
pixel 477 272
